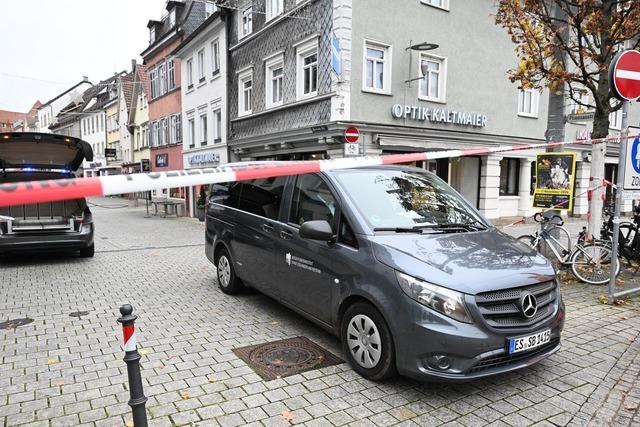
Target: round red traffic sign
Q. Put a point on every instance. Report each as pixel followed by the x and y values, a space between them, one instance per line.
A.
pixel 626 75
pixel 351 134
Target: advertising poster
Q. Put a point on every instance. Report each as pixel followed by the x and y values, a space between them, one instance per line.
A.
pixel 555 178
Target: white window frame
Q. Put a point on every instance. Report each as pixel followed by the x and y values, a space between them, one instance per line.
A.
pixel 243 77
pixel 534 102
pixel 191 125
pixel 386 66
pixel 215 57
pixel 442 78
pixel 172 18
pixel 171 74
pixel 152 34
pixel 201 67
pixel 273 63
pixel 271 13
pixel 304 50
pixel 245 12
pixel 189 73
pixel 204 127
pixel 443 6
pixel 153 76
pixel 217 125
pixel 615 119
pixel 162 77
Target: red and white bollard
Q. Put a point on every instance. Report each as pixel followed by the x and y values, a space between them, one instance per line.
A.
pixel 137 399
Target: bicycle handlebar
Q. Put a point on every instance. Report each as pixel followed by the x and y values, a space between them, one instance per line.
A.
pixel 538 217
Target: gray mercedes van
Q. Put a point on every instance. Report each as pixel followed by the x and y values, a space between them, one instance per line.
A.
pixel 396 263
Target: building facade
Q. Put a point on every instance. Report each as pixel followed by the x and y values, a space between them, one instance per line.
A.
pixel 139 120
pixel 48 111
pixel 301 72
pixel 165 108
pixel 204 98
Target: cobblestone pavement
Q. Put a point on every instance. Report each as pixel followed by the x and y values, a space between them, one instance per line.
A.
pixel 61 370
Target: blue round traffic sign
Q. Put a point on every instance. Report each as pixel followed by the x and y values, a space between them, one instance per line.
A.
pixel 635 155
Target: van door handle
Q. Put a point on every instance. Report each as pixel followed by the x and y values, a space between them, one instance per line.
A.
pixel 286 235
pixel 267 228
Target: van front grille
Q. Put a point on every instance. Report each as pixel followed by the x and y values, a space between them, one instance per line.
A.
pixel 500 309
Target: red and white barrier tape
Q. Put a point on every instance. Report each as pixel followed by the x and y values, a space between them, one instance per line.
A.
pixel 19 193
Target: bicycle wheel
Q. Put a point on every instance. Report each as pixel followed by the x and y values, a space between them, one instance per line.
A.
pixel 592 263
pixel 558 237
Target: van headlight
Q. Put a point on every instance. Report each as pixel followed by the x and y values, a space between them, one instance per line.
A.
pixel 443 300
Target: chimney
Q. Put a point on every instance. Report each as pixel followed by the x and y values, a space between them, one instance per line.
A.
pixel 85 79
pixel 133 65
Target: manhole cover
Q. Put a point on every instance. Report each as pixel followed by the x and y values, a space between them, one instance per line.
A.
pixel 14 323
pixel 78 314
pixel 285 357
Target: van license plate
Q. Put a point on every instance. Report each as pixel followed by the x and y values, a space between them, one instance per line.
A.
pixel 516 345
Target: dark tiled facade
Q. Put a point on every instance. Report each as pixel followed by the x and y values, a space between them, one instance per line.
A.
pixel 280 35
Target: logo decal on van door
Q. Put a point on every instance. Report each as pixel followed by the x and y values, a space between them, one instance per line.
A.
pixel 300 262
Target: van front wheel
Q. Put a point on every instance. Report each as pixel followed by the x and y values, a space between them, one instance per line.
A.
pixel 227 279
pixel 367 343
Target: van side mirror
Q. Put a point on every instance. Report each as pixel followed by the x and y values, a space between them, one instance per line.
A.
pixel 316 230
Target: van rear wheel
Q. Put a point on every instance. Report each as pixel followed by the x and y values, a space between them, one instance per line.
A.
pixel 367 343
pixel 227 279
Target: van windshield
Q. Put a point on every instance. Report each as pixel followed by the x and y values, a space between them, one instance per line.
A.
pixel 407 199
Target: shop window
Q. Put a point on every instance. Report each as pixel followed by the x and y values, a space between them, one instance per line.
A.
pixel 509 173
pixel 312 200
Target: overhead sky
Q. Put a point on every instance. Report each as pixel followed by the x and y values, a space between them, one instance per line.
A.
pixel 47 46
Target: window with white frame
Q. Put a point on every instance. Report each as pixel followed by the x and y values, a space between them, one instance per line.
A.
pixel 189 73
pixel 274 8
pixel 164 132
pixel 201 65
pixel 152 34
pixel 307 69
pixel 217 122
pixel 215 57
pixel 528 102
pixel 171 74
pixel 432 86
pixel 172 18
pixel 274 69
pixel 245 92
pixel 377 67
pixel 442 4
pixel 204 129
pixel 153 76
pixel 192 132
pixel 209 8
pixel 581 102
pixel 246 22
pixel 178 125
pixel 615 119
pixel 162 77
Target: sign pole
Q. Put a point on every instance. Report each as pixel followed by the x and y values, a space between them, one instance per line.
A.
pixel 622 164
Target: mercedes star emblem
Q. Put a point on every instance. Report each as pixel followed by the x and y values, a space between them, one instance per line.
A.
pixel 529 306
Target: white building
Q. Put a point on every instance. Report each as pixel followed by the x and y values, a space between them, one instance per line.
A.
pixel 204 103
pixel 48 112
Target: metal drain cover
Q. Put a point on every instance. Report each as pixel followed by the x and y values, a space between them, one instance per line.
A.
pixel 286 357
pixel 14 323
pixel 78 314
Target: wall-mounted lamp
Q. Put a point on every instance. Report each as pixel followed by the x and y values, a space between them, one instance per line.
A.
pixel 420 47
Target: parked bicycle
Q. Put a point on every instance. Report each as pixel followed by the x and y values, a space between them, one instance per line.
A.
pixel 628 236
pixel 590 261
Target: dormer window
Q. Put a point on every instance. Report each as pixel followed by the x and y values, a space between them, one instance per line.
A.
pixel 172 18
pixel 152 34
pixel 209 8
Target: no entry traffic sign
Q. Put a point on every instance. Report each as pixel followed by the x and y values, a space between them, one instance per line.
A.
pixel 625 75
pixel 351 135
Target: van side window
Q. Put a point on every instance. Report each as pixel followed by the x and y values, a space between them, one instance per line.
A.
pixel 263 196
pixel 346 235
pixel 225 193
pixel 312 200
